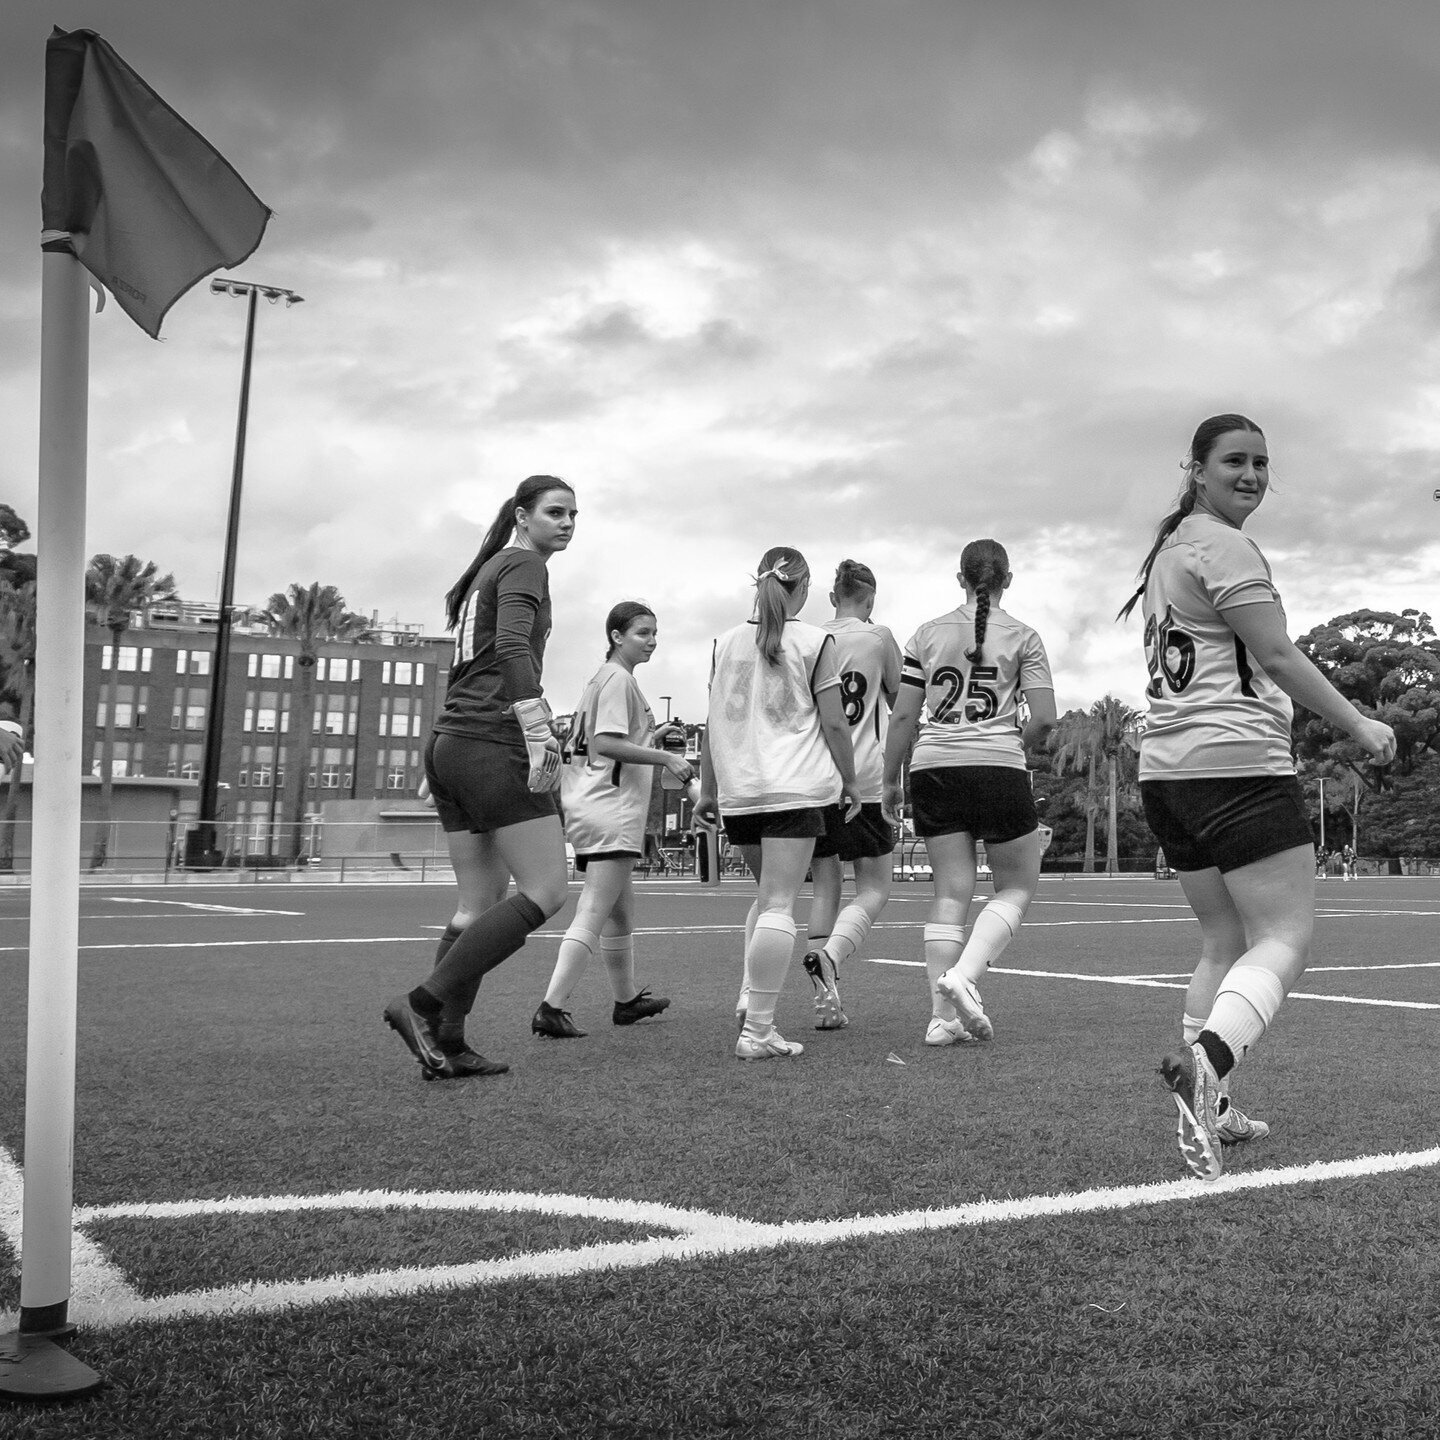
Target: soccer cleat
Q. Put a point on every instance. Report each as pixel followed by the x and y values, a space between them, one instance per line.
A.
pixel 1190 1077
pixel 966 999
pixel 825 978
pixel 639 1007
pixel 419 1033
pixel 462 1064
pixel 1235 1127
pixel 554 1023
pixel 771 1047
pixel 947 1032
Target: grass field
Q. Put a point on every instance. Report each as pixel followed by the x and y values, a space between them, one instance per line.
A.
pixel 282 1231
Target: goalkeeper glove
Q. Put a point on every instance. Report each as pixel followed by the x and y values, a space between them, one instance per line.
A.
pixel 540 743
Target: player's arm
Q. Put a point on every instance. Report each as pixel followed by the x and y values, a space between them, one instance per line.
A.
pixel 1261 630
pixel 836 730
pixel 890 675
pixel 904 721
pixel 1042 717
pixel 617 747
pixel 707 807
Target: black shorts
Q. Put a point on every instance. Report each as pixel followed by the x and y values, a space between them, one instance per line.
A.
pixel 1225 822
pixel 868 836
pixel 581 861
pixel 774 825
pixel 480 786
pixel 991 802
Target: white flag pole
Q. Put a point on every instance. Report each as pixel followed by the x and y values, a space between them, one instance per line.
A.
pixel 55 848
pixel 31 1365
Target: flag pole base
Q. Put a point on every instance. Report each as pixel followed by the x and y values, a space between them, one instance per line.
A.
pixel 35 1369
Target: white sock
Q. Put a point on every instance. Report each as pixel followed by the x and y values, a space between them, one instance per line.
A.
pixel 750 919
pixel 1244 1007
pixel 767 959
pixel 1190 1027
pixel 990 932
pixel 575 951
pixel 943 944
pixel 848 933
pixel 619 953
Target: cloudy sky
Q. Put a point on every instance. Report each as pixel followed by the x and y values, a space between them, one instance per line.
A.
pixel 868 277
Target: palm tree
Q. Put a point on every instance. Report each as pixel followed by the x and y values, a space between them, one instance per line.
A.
pixel 313 616
pixel 17 660
pixel 115 588
pixel 1083 740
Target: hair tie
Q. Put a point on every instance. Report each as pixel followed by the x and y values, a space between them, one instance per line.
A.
pixel 777 572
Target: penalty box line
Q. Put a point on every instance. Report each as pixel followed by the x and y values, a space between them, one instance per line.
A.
pixel 104 1299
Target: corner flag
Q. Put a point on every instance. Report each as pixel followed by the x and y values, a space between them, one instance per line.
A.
pixel 139 197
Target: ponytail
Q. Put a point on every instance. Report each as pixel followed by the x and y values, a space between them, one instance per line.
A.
pixel 984 568
pixel 1204 441
pixel 526 497
pixel 780 571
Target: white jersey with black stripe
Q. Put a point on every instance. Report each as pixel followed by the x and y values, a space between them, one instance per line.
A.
pixel 606 801
pixel 869 663
pixel 1213 711
pixel 973 707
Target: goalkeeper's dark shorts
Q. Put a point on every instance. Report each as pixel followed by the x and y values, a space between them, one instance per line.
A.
pixel 480 785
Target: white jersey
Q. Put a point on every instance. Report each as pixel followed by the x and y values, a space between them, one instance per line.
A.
pixel 869 663
pixel 763 731
pixel 973 709
pixel 1213 711
pixel 606 801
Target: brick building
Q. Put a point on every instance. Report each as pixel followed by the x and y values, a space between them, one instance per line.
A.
pixel 374 703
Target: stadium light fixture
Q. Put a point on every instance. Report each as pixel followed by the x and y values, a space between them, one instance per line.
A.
pixel 200 849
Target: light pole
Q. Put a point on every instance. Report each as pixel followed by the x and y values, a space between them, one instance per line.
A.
pixel 200 847
pixel 666 699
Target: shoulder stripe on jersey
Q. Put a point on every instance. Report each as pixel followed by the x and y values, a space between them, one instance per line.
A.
pixel 918 681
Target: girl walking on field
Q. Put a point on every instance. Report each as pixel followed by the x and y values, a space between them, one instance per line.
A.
pixel 493 764
pixel 1216 774
pixel 869 663
pixel 777 753
pixel 970 668
pixel 605 791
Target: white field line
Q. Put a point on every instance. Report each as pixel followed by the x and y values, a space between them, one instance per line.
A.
pixel 195 905
pixel 698 1234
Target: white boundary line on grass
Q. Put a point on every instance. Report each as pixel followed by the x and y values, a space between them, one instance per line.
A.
pixel 104 1300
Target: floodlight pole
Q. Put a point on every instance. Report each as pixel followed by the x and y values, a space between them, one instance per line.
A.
pixel 201 849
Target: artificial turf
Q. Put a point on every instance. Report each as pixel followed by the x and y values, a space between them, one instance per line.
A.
pixel 257 1070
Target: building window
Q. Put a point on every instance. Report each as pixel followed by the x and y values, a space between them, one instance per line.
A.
pixel 146 656
pixel 404 671
pixel 289 666
pixel 262 773
pixel 190 760
pixel 199 662
pixel 266 711
pixel 269 667
pixel 252 666
pixel 340 671
pixel 335 715
pixel 419 673
pixel 385 673
pixel 180 661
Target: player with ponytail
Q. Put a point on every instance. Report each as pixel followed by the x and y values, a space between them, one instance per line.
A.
pixel 1217 777
pixel 777 752
pixel 611 758
pixel 869 663
pixel 970 669
pixel 492 764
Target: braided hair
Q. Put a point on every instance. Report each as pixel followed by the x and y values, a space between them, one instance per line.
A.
pixel 781 569
pixel 984 568
pixel 527 496
pixel 1206 438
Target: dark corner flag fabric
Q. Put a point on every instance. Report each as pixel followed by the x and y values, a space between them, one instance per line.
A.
pixel 149 205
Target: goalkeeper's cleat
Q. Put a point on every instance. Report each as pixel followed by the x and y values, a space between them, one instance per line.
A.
pixel 464 1063
pixel 1234 1127
pixel 947 1032
pixel 1191 1079
pixel 825 978
pixel 966 1000
pixel 554 1023
pixel 418 1032
pixel 768 1047
pixel 638 1007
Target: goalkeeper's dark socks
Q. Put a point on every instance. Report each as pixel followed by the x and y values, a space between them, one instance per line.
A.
pixel 422 1002
pixel 1221 1057
pixel 483 944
